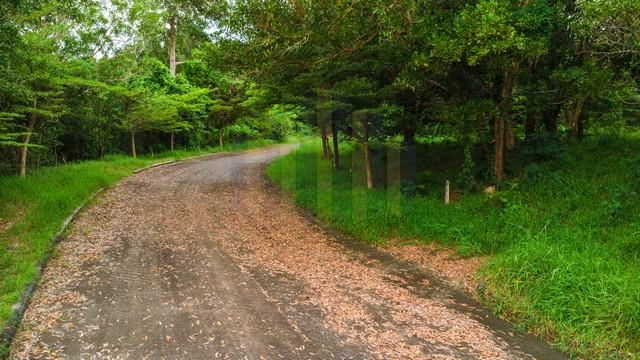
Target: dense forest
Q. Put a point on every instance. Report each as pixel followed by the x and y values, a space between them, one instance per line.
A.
pixel 81 80
pixel 489 94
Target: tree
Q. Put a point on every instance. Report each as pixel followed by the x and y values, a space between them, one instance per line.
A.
pixel 32 65
pixel 611 29
pixel 162 19
pixel 227 106
pixel 146 111
pixel 191 103
pixel 362 94
pixel 39 96
pixel 330 114
pixel 482 72
pixel 501 36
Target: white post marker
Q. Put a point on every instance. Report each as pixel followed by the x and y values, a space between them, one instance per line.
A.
pixel 446 192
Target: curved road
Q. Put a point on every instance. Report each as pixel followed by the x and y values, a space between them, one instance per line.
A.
pixel 205 260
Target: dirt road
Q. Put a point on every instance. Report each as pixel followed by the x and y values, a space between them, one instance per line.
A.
pixel 206 260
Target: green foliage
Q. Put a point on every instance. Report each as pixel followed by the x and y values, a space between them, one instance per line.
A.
pixel 467 176
pixel 228 104
pixel 495 28
pixel 544 147
pixel 151 74
pixel 152 112
pixel 276 123
pixel 8 138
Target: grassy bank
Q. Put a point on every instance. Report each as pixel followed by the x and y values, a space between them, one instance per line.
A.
pixel 564 234
pixel 33 209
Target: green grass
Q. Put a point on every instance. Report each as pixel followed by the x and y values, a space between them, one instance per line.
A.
pixel 36 206
pixel 564 241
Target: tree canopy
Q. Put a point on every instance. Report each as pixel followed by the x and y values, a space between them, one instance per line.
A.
pixel 491 73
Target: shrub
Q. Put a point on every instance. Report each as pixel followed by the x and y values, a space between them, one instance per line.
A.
pixel 467 177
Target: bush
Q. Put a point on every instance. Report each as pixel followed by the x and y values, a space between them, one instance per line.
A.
pixel 467 177
pixel 544 147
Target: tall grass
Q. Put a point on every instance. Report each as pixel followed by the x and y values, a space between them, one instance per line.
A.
pixel 33 208
pixel 564 244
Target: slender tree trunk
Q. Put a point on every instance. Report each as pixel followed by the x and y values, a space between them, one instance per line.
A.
pixel 500 125
pixel 581 119
pixel 27 139
pixel 367 154
pixel 573 116
pixel 101 139
pixel 173 139
pixel 323 135
pixel 568 118
pixel 498 148
pixel 530 124
pixel 171 36
pixel 132 132
pixel 336 155
pixel 578 118
pixel 25 148
pixel 220 143
pixel 510 135
pixel 551 119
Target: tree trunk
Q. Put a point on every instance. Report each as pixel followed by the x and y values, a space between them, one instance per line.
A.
pixel 573 116
pixel 530 124
pixel 220 143
pixel 581 119
pixel 501 119
pixel 323 135
pixel 510 135
pixel 133 142
pixel 25 148
pixel 171 36
pixel 173 135
pixel 101 146
pixel 551 119
pixel 408 160
pixel 336 156
pixel 498 147
pixel 27 138
pixel 367 155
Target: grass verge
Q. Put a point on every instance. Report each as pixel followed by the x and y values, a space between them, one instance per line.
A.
pixel 563 237
pixel 34 208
